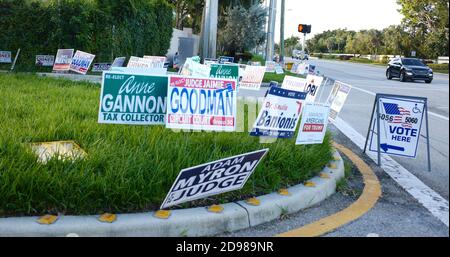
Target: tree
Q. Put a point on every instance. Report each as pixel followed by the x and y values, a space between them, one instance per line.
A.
pixel 427 22
pixel 243 29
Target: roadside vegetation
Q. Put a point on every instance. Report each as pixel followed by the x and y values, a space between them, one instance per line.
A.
pixel 128 168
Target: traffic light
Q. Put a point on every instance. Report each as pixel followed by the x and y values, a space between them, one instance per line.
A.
pixel 303 28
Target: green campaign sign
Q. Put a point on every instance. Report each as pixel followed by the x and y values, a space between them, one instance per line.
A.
pixel 224 71
pixel 133 99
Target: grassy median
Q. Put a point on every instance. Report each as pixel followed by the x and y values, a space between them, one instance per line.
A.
pixel 129 168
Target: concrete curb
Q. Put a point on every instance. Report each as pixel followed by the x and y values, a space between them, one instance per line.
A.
pixel 73 77
pixel 185 222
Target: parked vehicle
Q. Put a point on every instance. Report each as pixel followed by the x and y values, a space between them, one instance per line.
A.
pixel 409 69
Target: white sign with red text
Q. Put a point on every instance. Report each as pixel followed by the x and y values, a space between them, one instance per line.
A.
pixel 313 125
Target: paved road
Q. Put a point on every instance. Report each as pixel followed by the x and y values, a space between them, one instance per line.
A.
pixel 397 213
pixel 370 79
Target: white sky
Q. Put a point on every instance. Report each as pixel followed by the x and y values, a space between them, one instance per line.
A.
pixel 334 14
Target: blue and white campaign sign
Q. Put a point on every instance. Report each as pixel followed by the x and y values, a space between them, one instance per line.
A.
pixel 314 124
pixel 118 62
pixel 312 86
pixel 280 113
pixel 226 59
pixel 400 124
pixel 213 178
pixel 81 62
pixel 5 56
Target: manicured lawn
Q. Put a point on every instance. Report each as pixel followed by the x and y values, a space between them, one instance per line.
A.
pixel 268 77
pixel 129 168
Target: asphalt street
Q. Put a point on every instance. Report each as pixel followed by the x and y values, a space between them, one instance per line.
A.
pixel 397 213
pixel 367 80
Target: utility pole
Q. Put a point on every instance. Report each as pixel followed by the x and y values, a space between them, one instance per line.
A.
pixel 209 29
pixel 282 31
pixel 271 29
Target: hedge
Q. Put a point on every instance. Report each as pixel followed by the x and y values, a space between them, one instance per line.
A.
pixel 106 28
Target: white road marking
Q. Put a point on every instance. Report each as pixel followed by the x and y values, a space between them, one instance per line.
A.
pixel 374 94
pixel 431 200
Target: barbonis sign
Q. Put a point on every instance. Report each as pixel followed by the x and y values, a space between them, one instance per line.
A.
pixel 201 104
pixel 132 99
pixel 280 113
pixel 213 178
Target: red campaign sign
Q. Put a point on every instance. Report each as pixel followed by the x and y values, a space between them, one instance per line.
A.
pixel 313 128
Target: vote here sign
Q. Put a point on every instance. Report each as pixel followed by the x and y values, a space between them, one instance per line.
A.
pixel 400 124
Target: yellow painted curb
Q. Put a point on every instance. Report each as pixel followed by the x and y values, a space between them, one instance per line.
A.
pixel 309 184
pixel 253 201
pixel 284 192
pixel 367 200
pixel 332 166
pixel 216 208
pixel 162 214
pixel 47 219
pixel 108 218
pixel 324 175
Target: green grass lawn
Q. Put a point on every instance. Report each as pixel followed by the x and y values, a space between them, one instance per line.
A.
pixel 129 168
pixel 268 77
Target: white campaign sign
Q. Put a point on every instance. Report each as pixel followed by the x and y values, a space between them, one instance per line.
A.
pixel 5 56
pixel 294 83
pixel 195 69
pixel 312 87
pixel 400 125
pixel 252 77
pixel 314 124
pixel 213 178
pixel 337 98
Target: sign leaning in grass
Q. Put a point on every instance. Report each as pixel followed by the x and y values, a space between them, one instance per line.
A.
pixel 314 124
pixel 63 60
pixel 280 114
pixel 213 178
pixel 224 71
pixel 201 104
pixel 45 60
pixel 133 99
pixel 5 56
pixel 81 62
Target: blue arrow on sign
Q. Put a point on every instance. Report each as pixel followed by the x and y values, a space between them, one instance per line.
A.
pixel 386 147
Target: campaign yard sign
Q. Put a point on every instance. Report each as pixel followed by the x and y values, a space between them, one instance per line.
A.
pixel 280 113
pixel 213 178
pixel 294 83
pixel 201 104
pixel 63 60
pixel 136 62
pixel 312 87
pixel 156 61
pixel 226 59
pixel 252 77
pixel 195 69
pixel 45 60
pixel 270 66
pixel 118 62
pixel 313 125
pixel 99 67
pixel 224 71
pixel 133 99
pixel 337 98
pixel 81 62
pixel 5 57
pixel 279 69
pixel 209 61
pixel 400 124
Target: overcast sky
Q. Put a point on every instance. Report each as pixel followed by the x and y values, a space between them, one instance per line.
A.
pixel 333 14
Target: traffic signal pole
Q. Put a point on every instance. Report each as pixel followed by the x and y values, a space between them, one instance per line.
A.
pixel 282 31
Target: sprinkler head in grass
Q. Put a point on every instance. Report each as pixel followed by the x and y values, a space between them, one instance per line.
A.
pixel 253 201
pixel 215 208
pixel 108 218
pixel 162 214
pixel 47 219
pixel 284 192
pixel 324 175
pixel 63 150
pixel 309 184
